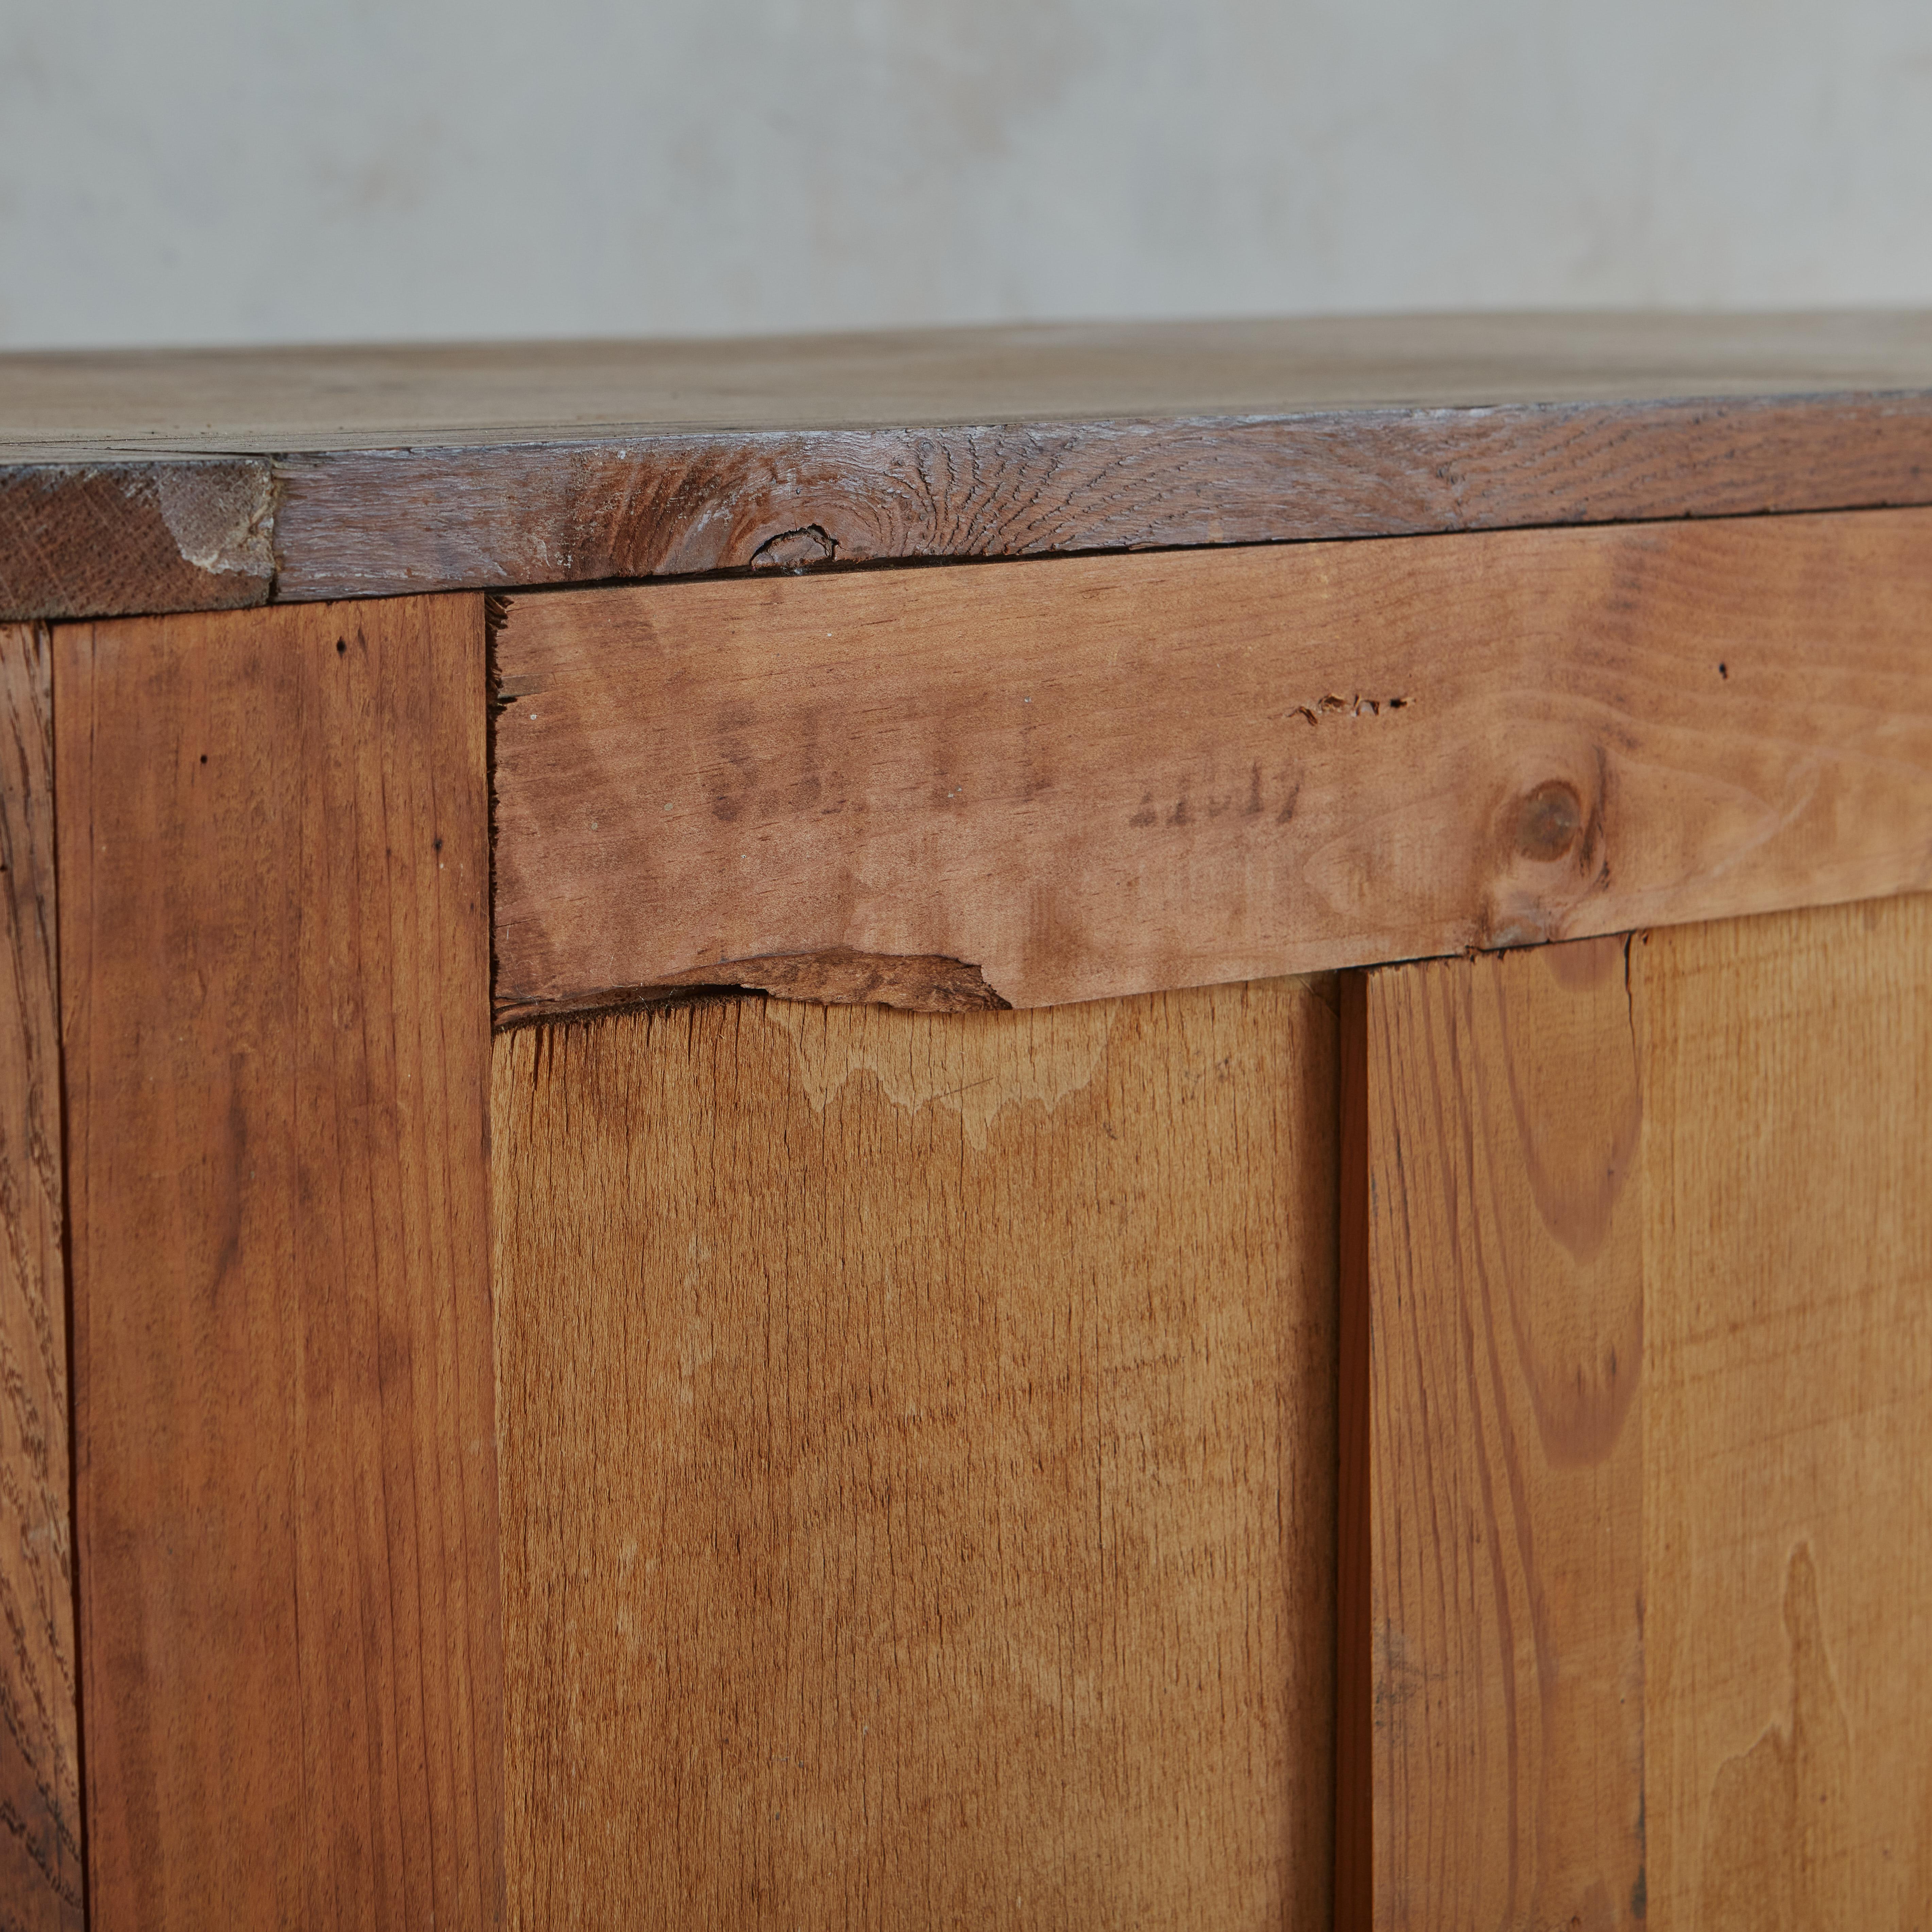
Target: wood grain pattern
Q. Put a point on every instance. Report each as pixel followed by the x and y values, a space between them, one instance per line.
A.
pixel 918 1440
pixel 1355 1648
pixel 274 853
pixel 1101 776
pixel 109 535
pixel 581 510
pixel 1507 1453
pixel 40 1780
pixel 491 465
pixel 1788 1484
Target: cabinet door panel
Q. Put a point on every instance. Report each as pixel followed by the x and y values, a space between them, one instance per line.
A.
pixel 918 1463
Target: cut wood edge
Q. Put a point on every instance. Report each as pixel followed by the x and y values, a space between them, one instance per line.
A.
pixel 42 1813
pixel 638 504
pixel 118 536
pixel 119 529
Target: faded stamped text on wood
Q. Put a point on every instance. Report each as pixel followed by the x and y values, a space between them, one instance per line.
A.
pixel 1071 780
pixel 919 1464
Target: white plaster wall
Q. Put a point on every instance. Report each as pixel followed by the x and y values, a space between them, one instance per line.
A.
pixel 256 170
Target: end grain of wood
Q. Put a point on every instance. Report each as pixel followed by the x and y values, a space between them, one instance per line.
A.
pixel 919 1462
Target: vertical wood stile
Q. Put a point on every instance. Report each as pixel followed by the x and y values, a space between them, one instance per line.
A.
pixel 1787 1173
pixel 40 1785
pixel 1354 1684
pixel 1505 1458
pixel 274 853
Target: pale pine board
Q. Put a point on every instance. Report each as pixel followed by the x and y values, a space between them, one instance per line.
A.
pixel 1505 1443
pixel 1700 1598
pixel 1109 775
pixel 1787 1167
pixel 918 1463
pixel 274 979
pixel 40 1778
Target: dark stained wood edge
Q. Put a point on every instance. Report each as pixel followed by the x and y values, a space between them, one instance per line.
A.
pixel 118 537
pixel 1354 1697
pixel 41 1869
pixel 368 523
pixel 100 538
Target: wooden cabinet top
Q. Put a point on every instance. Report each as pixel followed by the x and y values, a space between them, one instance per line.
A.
pixel 203 479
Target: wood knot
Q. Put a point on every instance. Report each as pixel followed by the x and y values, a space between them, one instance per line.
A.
pixel 796 550
pixel 1549 822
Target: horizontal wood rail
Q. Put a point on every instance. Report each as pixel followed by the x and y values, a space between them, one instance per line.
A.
pixel 1077 779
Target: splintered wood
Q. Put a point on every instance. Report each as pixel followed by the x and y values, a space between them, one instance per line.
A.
pixel 919 1464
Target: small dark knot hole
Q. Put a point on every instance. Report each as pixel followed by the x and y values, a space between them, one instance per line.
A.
pixel 1548 821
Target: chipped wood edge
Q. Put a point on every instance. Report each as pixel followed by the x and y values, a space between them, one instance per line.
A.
pixel 914 982
pixel 120 537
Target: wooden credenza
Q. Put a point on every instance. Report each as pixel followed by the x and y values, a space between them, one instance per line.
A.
pixel 1044 1128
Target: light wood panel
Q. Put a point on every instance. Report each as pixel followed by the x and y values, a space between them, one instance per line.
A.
pixel 1653 1645
pixel 40 1780
pixel 1788 1424
pixel 918 1463
pixel 274 973
pixel 191 479
pixel 1106 776
pixel 1506 1444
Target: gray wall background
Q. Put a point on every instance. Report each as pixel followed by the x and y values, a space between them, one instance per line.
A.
pixel 275 170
